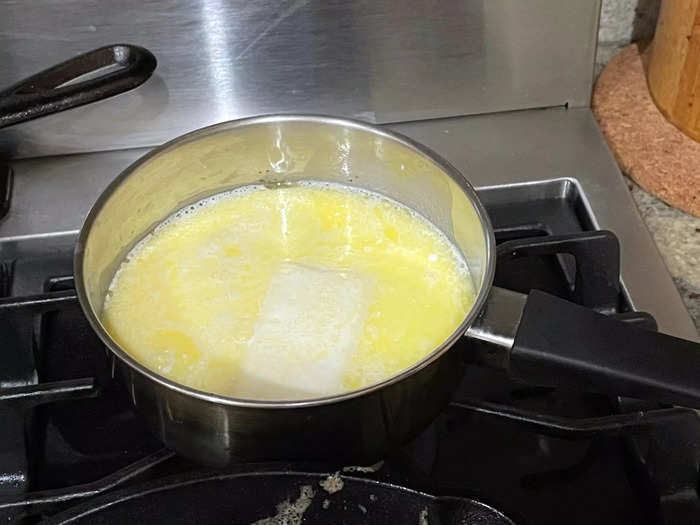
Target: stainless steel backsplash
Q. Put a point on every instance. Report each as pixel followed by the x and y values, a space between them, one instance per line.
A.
pixel 377 60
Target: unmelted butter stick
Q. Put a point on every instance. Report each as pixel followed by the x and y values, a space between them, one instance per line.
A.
pixel 307 330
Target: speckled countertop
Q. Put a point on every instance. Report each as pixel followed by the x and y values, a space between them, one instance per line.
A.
pixel 677 235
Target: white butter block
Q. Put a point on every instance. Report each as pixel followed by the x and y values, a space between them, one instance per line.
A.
pixel 308 328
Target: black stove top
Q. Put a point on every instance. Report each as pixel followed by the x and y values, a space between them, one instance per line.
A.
pixel 70 443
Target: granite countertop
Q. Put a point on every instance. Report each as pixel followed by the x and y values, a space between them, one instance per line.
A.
pixel 677 235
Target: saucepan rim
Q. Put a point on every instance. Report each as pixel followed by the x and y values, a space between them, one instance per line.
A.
pixel 427 153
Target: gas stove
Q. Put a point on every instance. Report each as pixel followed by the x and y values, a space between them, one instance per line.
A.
pixel 72 450
pixel 465 78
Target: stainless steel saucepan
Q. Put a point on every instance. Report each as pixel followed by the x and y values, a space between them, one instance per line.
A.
pixel 537 338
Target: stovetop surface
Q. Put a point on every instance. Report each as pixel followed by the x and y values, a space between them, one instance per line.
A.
pixel 69 436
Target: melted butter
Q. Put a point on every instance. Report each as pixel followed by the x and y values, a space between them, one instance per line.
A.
pixel 190 300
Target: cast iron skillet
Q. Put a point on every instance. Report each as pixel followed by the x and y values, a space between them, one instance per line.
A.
pixel 59 88
pixel 246 497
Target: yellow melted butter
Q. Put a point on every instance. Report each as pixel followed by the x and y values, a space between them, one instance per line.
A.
pixel 186 301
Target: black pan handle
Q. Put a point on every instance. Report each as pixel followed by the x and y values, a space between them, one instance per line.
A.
pixel 46 93
pixel 559 343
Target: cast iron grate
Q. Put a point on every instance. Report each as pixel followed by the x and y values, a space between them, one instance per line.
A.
pixel 75 382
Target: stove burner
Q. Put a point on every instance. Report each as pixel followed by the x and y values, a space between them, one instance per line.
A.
pixel 541 455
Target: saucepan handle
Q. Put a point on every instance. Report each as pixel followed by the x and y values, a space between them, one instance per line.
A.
pixel 59 87
pixel 564 344
pixel 559 343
